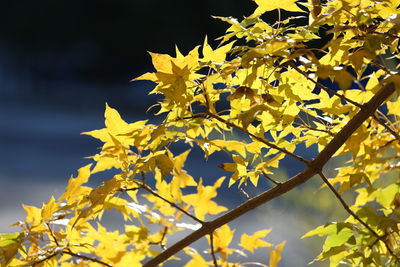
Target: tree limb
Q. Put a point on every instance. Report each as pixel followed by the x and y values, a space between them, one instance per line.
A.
pixel 313 168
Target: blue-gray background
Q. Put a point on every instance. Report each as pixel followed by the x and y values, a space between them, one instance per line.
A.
pixel 60 61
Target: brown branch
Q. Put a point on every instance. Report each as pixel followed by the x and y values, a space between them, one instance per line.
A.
pixel 262 140
pixel 314 168
pixel 355 216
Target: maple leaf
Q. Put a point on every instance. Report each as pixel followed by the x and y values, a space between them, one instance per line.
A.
pixel 173 74
pixel 201 201
pixel 254 241
pixel 218 55
pixel 275 255
pixel 74 189
pixel 268 5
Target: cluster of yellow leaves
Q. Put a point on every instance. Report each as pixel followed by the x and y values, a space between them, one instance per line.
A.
pixel 277 91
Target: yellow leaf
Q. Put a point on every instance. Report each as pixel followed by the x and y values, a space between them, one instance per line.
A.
pixel 254 241
pixel 105 162
pixel 394 107
pixel 222 237
pixel 218 55
pixel 161 62
pixel 268 5
pixel 131 258
pixel 275 255
pixel 98 195
pixel 196 261
pixel 33 214
pixel 10 244
pixel 74 187
pixel 165 164
pixel 232 146
pixel 113 119
pixel 179 162
pixel 101 134
pixel 147 76
pixel 201 201
pixel 344 79
pixel 239 168
pixel 116 128
pixel 49 209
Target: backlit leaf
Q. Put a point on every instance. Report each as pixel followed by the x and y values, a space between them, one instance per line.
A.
pixel 268 5
pixel 254 241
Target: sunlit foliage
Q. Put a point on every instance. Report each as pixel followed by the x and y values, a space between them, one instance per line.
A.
pixel 263 92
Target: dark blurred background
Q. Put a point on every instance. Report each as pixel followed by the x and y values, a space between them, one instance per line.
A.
pixel 79 54
pixel 61 61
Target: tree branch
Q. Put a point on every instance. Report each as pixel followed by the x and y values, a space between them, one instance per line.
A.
pixel 313 168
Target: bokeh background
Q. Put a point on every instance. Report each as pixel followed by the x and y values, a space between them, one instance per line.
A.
pixel 61 61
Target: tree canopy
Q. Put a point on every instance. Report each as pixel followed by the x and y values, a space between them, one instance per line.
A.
pixel 265 91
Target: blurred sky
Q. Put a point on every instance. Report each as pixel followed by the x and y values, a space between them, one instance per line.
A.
pixel 61 61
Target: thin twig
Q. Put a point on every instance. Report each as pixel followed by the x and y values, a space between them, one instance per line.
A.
pixel 252 263
pixel 384 118
pixel 212 249
pixel 355 216
pixel 262 140
pixel 148 189
pixel 323 87
pixel 48 257
pixel 270 179
pixel 314 129
pixel 382 122
pixel 162 239
pixel 244 193
pixel 52 235
pixel 329 90
pixel 380 66
pixel 387 144
pixel 194 116
pixel 84 257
